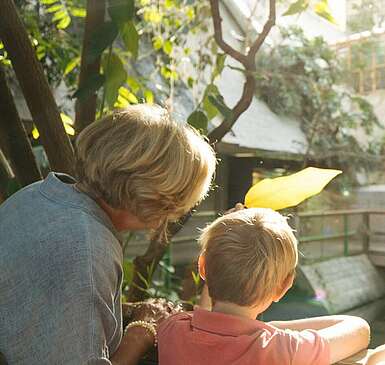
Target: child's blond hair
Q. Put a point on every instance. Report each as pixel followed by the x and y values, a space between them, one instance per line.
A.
pixel 248 256
pixel 140 160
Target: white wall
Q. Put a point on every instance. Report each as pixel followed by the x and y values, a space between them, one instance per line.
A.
pixel 312 24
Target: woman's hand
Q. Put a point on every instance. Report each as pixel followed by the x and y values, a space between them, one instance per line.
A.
pixel 137 341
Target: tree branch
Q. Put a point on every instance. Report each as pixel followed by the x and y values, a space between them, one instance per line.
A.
pixel 154 253
pixel 248 62
pixel 242 105
pixel 36 90
pixel 14 139
pixel 218 35
pixel 86 109
pixel 265 31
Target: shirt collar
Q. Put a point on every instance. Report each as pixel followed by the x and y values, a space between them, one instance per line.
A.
pixel 225 324
pixel 61 189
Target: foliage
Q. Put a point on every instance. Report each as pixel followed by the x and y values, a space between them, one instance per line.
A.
pixel 52 26
pixel 301 78
pixel 365 15
pixel 320 7
pixel 158 283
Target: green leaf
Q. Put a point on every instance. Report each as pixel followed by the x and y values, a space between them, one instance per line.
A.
pixel 298 7
pixel 323 10
pixel 190 12
pixel 157 42
pixel 167 47
pixel 128 271
pixel 90 86
pixel 198 120
pixel 219 103
pixel 133 84
pixel 130 38
pixel 54 8
pixel 121 11
pixel 196 278
pixel 169 4
pixel 190 82
pixel 115 75
pixel 219 64
pixel 78 12
pixel 102 38
pixel 64 23
pixel 126 97
pixel 149 96
pixel 59 15
pixel 152 15
pixel 209 108
pixel 71 65
pixel 48 2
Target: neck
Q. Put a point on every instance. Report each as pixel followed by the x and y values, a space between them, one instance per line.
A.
pixel 238 310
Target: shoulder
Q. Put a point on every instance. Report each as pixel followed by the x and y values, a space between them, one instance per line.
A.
pixel 174 321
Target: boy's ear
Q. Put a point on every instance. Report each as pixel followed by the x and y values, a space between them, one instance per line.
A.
pixel 201 266
pixel 287 284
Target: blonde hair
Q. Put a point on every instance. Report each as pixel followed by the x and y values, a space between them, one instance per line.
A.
pixel 248 256
pixel 140 160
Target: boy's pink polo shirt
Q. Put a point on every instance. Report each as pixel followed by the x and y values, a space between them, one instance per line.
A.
pixel 204 337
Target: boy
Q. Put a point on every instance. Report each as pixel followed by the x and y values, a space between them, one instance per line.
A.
pixel 248 261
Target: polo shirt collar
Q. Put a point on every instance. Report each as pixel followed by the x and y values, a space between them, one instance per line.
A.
pixel 225 324
pixel 61 189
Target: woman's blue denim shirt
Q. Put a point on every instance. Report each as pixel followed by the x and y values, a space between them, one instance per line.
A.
pixel 60 277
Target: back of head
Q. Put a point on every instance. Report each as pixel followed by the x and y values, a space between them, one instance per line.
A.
pixel 140 160
pixel 248 256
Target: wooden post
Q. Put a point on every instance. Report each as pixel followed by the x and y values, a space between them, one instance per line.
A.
pixel 36 90
pixel 13 138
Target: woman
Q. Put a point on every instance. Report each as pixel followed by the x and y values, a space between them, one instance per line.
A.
pixel 61 257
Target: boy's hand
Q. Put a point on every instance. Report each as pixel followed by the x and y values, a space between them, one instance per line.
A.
pixel 238 206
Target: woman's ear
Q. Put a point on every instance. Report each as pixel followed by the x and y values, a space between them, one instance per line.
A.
pixel 201 266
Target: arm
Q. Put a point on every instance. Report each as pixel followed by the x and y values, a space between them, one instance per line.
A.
pixel 135 343
pixel 346 335
pixel 377 357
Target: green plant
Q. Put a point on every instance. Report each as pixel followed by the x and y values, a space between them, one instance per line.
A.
pixel 302 78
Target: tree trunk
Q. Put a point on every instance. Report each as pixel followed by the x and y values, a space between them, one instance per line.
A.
pixel 154 253
pixel 36 90
pixel 6 174
pixel 86 109
pixel 14 139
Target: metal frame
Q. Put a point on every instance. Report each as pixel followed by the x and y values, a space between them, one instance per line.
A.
pixel 346 234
